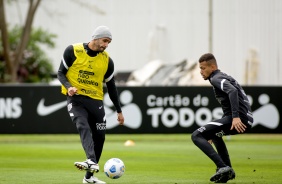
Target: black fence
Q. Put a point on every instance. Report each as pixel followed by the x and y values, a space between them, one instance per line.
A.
pixel 42 109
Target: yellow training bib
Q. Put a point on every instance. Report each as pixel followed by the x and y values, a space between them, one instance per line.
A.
pixel 87 73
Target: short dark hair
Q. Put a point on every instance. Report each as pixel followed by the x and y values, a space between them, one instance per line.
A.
pixel 208 57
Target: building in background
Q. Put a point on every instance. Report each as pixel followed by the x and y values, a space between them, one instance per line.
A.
pixel 171 31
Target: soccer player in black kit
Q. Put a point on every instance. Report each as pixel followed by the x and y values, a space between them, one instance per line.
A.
pixel 237 118
pixel 83 70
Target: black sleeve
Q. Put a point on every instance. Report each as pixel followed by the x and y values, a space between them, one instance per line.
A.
pixel 225 86
pixel 110 72
pixel 112 89
pixel 66 61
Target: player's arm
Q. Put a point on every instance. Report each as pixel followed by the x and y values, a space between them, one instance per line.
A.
pixel 234 102
pixel 66 61
pixel 112 90
pixel 225 86
pixel 222 83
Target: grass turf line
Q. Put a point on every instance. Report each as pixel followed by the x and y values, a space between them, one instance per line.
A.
pixel 155 159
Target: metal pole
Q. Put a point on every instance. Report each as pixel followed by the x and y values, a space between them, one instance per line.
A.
pixel 210 26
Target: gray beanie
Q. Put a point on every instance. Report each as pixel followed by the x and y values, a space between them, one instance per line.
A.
pixel 101 32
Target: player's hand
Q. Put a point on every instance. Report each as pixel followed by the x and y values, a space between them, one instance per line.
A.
pixel 238 125
pixel 210 141
pixel 120 118
pixel 72 91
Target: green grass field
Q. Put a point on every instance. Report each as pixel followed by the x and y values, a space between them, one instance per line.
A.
pixel 155 159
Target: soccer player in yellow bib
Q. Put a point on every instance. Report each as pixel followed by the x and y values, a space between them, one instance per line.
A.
pixel 84 68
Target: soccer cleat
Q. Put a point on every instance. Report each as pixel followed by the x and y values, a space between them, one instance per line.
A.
pixel 93 179
pixel 223 174
pixel 87 165
pixel 225 178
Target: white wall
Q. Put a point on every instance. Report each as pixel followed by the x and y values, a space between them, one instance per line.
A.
pixel 240 25
pixel 169 30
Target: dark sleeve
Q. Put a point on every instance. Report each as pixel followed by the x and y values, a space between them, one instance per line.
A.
pixel 225 85
pixel 66 61
pixel 110 72
pixel 111 86
pixel 234 101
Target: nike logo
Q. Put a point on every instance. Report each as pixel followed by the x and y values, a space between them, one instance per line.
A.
pixel 43 110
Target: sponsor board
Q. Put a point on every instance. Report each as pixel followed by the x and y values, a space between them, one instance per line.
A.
pixel 42 109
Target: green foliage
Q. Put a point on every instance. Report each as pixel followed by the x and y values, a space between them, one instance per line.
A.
pixel 155 159
pixel 35 66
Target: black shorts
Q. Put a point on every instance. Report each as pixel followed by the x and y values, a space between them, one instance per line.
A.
pixel 221 127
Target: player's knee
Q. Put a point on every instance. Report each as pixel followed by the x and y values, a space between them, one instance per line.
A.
pixel 195 135
pixel 80 125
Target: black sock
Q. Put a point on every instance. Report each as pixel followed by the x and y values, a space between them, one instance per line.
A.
pixel 222 150
pixel 88 175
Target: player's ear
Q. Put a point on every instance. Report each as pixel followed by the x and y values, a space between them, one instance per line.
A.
pixel 214 66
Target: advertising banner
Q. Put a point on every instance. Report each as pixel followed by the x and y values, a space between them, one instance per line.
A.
pixel 42 109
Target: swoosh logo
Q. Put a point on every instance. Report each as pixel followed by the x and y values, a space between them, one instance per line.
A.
pixel 43 110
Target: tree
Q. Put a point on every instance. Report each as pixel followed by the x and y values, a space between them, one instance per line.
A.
pixel 35 65
pixel 14 57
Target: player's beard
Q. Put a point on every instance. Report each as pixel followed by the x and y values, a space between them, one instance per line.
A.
pixel 102 48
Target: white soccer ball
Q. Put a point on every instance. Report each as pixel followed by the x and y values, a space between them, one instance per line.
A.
pixel 114 168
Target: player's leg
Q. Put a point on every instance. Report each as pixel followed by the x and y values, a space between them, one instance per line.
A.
pixel 97 123
pixel 222 150
pixel 98 137
pixel 222 175
pixel 213 130
pixel 200 138
pixel 225 125
pixel 223 153
pixel 79 116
